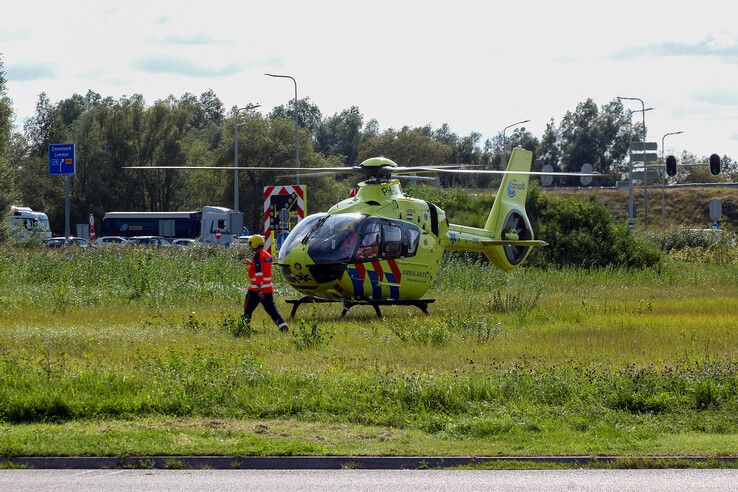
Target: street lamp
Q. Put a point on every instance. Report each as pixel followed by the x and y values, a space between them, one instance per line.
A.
pixel 504 142
pixel 510 126
pixel 631 204
pixel 248 107
pixel 297 129
pixel 663 183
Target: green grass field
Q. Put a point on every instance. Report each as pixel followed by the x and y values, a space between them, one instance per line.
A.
pixel 141 352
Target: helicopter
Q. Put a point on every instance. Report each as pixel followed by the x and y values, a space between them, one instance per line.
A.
pixel 381 247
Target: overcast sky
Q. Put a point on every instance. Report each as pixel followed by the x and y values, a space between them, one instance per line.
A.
pixel 478 66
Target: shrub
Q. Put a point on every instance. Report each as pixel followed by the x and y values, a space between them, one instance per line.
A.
pixel 682 238
pixel 583 234
pixel 237 326
pixel 308 334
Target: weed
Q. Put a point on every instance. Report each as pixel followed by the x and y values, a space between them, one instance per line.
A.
pixel 238 326
pixel 706 395
pixel 193 323
pixel 309 335
pixel 140 464
pixel 423 331
pixel 481 329
pixel 173 464
pixel 512 302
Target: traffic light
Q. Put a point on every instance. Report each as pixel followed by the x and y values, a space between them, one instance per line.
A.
pixel 671 163
pixel 715 164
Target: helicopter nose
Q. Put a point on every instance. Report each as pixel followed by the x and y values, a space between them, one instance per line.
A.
pixel 294 265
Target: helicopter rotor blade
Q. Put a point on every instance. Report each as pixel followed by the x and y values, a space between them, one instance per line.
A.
pixel 241 168
pixel 528 173
pixel 313 175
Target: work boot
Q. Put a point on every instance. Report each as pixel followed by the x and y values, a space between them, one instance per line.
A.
pixel 284 328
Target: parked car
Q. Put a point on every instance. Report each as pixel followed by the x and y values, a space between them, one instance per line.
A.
pixel 240 242
pixel 183 242
pixel 111 241
pixel 61 241
pixel 155 241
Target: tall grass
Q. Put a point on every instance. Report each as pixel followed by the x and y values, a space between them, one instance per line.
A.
pixel 125 333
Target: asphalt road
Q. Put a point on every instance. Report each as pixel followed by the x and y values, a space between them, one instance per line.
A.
pixel 330 480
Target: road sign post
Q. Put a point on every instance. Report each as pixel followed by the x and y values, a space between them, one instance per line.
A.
pixel 547 179
pixel 62 162
pixel 639 153
pixel 586 169
pixel 716 210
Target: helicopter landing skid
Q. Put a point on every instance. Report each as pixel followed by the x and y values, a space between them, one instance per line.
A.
pixel 347 304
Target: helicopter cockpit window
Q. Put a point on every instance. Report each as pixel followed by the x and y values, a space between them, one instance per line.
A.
pixel 298 233
pixel 334 238
pixel 369 245
pixel 392 245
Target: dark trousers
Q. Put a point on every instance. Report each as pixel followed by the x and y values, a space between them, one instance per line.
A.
pixel 252 300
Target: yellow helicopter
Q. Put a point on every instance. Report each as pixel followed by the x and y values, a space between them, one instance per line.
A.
pixel 381 247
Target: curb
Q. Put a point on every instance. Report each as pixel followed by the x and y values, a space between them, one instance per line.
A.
pixel 330 462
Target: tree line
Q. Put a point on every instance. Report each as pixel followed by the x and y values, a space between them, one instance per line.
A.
pixel 112 133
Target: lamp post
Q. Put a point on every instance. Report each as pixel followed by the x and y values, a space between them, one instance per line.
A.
pixel 504 142
pixel 248 107
pixel 297 128
pixel 631 204
pixel 663 183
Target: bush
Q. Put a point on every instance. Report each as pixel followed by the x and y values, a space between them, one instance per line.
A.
pixel 21 237
pixel 584 234
pixel 681 238
pixel 308 334
pixel 238 326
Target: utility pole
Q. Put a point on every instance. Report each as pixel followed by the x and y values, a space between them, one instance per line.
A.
pixel 631 202
pixel 663 183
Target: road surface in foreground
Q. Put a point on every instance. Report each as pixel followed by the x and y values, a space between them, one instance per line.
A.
pixel 330 480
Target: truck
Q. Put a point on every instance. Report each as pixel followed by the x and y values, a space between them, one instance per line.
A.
pixel 24 220
pixel 210 225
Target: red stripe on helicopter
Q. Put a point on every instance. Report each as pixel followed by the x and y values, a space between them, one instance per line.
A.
pixel 395 270
pixel 378 270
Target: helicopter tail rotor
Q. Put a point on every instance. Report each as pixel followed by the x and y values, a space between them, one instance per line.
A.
pixel 507 220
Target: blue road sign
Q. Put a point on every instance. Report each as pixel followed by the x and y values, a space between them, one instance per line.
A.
pixel 61 159
pixel 281 237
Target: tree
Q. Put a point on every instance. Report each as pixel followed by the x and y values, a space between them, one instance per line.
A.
pixel 308 114
pixel 212 106
pixel 598 136
pixel 408 147
pixel 340 134
pixel 7 181
pixel 548 152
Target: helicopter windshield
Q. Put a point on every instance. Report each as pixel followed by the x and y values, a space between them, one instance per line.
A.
pixel 334 238
pixel 301 230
